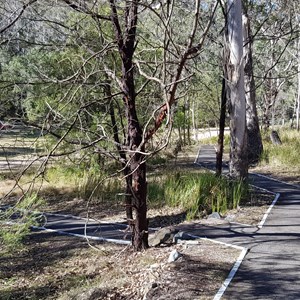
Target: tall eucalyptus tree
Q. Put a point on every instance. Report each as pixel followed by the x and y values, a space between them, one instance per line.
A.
pixel 234 64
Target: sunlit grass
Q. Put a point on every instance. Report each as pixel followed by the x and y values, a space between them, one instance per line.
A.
pixel 285 155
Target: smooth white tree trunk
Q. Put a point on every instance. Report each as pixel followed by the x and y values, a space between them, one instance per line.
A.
pixel 238 165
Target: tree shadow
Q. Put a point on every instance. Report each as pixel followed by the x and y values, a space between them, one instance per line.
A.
pixel 42 251
pixel 167 220
pixel 267 280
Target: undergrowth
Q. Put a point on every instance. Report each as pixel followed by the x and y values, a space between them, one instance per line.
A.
pixel 16 222
pixel 198 194
pixel 286 154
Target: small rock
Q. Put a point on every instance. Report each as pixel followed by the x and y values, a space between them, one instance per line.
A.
pixel 214 215
pixel 179 236
pixel 154 266
pixel 162 236
pixel 174 255
pixel 148 290
pixel 230 217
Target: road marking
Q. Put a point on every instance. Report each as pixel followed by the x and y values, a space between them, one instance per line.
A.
pixel 231 275
pixel 235 267
pixel 262 222
pixel 277 180
pixel 88 237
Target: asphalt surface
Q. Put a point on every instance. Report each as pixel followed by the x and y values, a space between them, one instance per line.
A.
pixel 271 269
pixel 91 229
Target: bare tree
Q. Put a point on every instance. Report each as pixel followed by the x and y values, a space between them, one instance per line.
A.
pixel 117 60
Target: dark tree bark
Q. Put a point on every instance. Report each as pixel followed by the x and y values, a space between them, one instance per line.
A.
pixel 136 164
pixel 220 147
pixel 255 146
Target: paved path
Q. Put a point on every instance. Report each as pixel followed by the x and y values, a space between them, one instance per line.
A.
pixel 271 269
pixel 95 230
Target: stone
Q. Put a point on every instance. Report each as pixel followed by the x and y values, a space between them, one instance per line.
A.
pixel 274 136
pixel 162 236
pixel 214 215
pixel 174 255
pixel 148 289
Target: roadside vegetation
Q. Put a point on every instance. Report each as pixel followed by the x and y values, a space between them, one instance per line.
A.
pixel 282 161
pixel 285 155
pixel 176 192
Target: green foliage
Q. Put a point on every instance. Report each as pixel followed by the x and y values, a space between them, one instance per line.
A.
pixel 12 236
pixel 98 186
pixel 14 231
pixel 198 194
pixel 214 141
pixel 30 203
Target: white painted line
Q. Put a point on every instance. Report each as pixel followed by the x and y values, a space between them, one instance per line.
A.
pixel 216 242
pixel 262 222
pixel 196 159
pixel 231 275
pixel 89 237
pixel 260 188
pixel 235 267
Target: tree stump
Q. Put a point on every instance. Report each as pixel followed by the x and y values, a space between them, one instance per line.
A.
pixel 275 138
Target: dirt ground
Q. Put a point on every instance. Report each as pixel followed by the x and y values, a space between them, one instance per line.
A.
pixel 59 267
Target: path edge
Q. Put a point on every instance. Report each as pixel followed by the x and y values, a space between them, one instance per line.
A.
pixel 244 251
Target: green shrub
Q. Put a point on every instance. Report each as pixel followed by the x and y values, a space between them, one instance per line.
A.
pixel 15 230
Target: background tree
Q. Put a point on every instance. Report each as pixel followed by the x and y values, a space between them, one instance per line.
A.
pixel 254 140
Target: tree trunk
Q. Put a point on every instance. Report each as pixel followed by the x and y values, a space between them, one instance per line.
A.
pixel 255 146
pixel 134 135
pixel 298 95
pixel 220 147
pixel 137 165
pixel 238 165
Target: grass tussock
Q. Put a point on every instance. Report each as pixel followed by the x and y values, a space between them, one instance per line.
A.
pixel 198 194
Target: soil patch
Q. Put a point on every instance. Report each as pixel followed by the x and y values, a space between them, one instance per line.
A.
pixel 59 267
